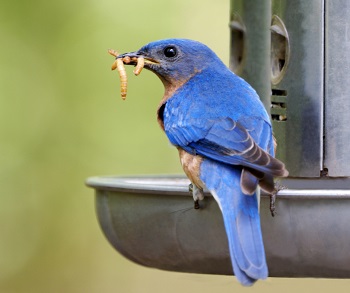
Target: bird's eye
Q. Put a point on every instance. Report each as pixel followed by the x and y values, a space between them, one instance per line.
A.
pixel 170 51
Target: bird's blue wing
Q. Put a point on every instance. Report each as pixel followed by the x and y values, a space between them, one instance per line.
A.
pixel 246 143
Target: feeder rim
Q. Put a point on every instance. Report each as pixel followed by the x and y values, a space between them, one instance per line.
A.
pixel 178 185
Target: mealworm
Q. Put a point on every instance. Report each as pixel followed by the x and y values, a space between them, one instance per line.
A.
pixel 126 59
pixel 114 65
pixel 139 66
pixel 113 52
pixel 123 78
pixel 119 65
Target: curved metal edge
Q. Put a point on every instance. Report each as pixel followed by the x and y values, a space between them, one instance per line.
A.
pixel 314 193
pixel 155 184
pixel 178 185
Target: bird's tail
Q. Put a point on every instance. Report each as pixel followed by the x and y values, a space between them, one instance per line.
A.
pixel 241 218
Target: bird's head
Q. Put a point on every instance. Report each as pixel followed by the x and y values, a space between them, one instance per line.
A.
pixel 175 61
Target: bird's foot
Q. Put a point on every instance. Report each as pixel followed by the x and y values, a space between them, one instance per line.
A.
pixel 196 204
pixel 273 195
pixel 197 194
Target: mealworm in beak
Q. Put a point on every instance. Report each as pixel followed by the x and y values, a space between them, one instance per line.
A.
pixel 123 78
pixel 126 59
pixel 119 65
pixel 113 52
pixel 114 65
pixel 139 66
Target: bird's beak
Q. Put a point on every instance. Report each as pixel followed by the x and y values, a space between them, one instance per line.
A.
pixel 131 55
pixel 134 56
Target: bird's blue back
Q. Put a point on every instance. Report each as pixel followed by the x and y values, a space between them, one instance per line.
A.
pixel 212 94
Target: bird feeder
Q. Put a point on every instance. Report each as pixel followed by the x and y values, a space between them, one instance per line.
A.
pixel 296 55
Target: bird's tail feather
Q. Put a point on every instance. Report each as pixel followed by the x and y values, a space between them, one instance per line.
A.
pixel 241 220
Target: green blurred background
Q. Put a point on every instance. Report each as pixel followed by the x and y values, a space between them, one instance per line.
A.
pixel 62 120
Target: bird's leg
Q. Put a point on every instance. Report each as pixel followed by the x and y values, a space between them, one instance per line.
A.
pixel 197 194
pixel 272 203
pixel 273 195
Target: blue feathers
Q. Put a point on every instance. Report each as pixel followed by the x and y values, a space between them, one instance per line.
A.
pixel 224 138
pixel 241 220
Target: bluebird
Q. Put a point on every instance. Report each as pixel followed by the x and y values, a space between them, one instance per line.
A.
pixel 224 138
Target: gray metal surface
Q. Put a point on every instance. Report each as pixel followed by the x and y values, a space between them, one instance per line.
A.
pixel 254 43
pixel 309 237
pixel 337 88
pixel 284 59
pixel 300 137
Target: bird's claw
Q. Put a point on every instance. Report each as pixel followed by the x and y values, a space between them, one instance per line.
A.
pixel 272 203
pixel 273 195
pixel 196 204
pixel 197 194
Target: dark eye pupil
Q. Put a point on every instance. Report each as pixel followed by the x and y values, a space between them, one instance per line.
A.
pixel 170 52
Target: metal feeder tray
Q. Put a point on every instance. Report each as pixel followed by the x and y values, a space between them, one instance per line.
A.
pixel 151 221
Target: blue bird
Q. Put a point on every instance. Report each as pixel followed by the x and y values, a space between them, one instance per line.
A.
pixel 223 134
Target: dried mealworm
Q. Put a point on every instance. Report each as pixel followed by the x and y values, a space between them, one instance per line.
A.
pixel 123 77
pixel 114 65
pixel 119 64
pixel 139 65
pixel 126 59
pixel 113 52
